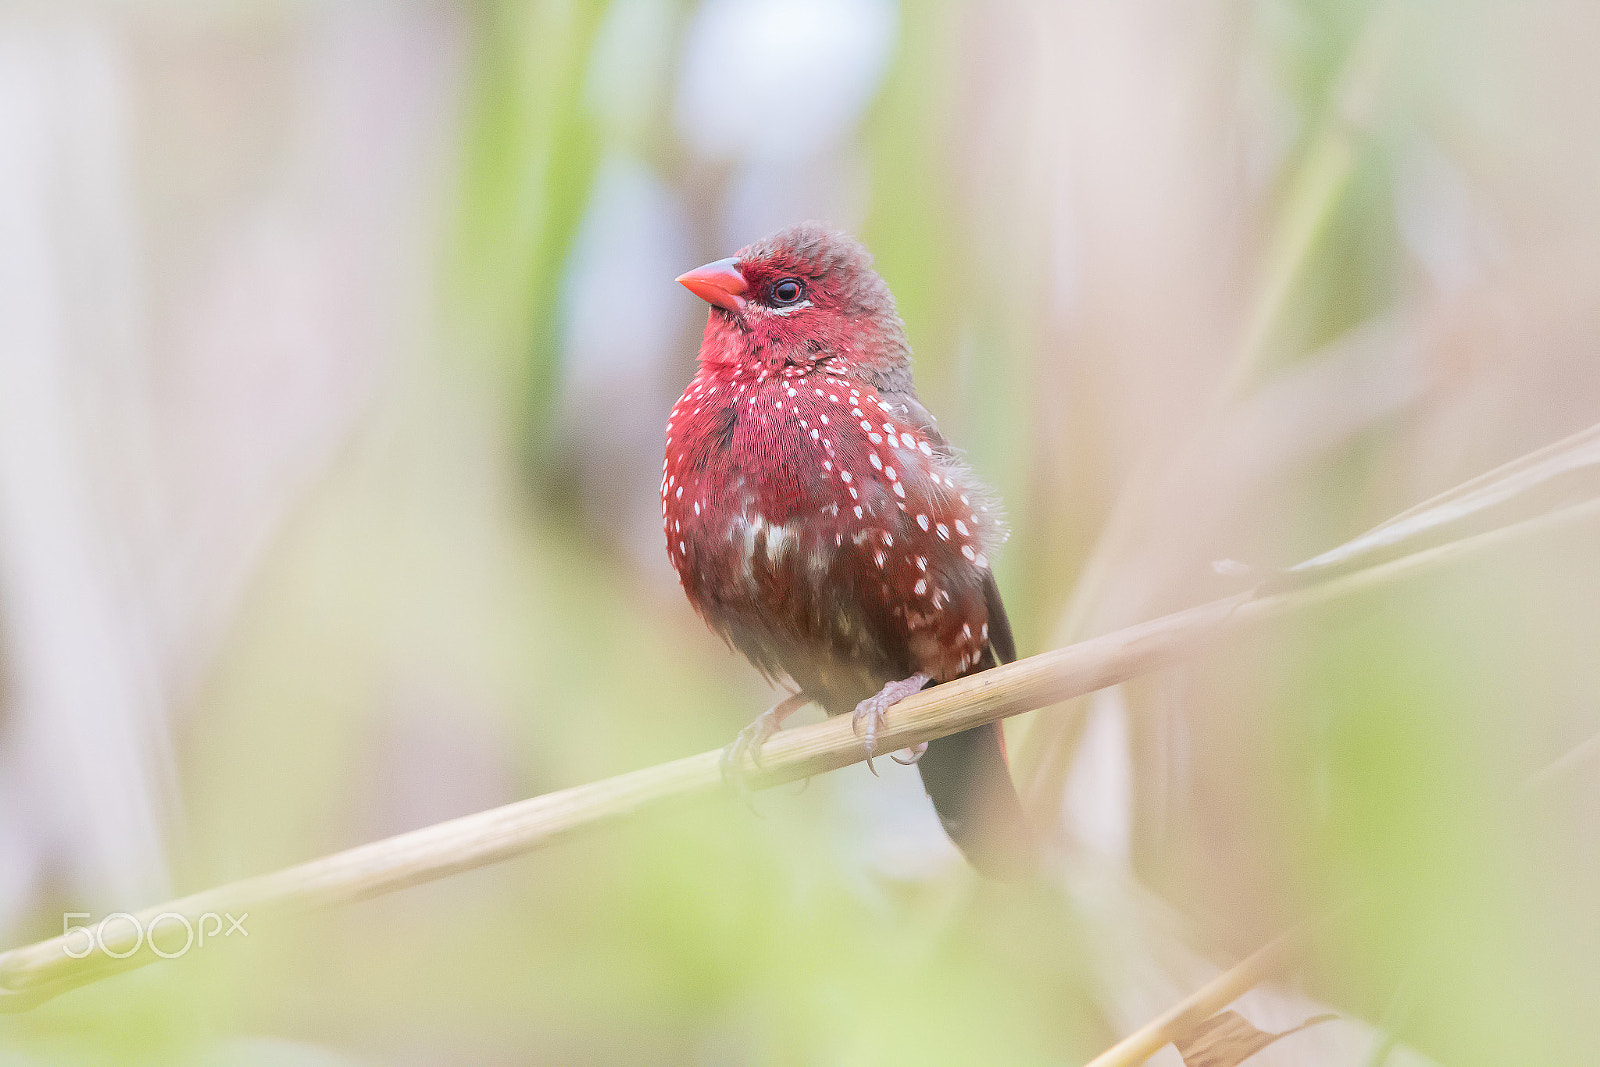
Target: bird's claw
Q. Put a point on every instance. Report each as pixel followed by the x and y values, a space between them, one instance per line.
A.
pixel 916 752
pixel 868 717
pixel 747 745
pixel 745 749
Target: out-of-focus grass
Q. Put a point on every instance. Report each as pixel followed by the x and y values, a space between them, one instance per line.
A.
pixel 1298 297
pixel 529 157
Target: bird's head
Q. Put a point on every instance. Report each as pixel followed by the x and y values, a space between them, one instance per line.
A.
pixel 804 296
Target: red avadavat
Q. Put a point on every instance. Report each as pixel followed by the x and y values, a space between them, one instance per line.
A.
pixel 820 523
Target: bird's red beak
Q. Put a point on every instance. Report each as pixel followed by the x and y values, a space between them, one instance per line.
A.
pixel 718 283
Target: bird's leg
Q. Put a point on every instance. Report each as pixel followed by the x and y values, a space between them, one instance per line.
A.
pixel 868 719
pixel 747 746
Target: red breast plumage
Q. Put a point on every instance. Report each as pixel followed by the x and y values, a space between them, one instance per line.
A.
pixel 819 521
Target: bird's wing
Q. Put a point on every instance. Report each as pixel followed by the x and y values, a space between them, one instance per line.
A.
pixel 1001 638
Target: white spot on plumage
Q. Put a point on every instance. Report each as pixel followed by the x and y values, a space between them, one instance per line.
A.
pixel 926 451
pixel 943 531
pixel 961 528
pixel 872 457
pixel 858 508
pixel 899 490
pixel 779 538
pixel 921 587
pixel 966 550
pixel 922 521
pixel 844 476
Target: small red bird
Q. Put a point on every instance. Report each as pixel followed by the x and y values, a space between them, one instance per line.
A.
pixel 819 522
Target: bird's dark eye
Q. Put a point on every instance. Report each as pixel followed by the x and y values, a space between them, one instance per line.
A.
pixel 786 292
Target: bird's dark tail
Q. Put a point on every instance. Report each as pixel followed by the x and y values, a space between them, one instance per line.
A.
pixel 967 779
pixel 970 785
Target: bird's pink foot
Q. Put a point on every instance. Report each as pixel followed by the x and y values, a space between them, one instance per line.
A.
pixel 745 751
pixel 868 719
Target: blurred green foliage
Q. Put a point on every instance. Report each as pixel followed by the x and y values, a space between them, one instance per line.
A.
pixel 529 156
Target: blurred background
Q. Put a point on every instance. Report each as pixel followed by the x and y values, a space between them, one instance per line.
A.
pixel 336 340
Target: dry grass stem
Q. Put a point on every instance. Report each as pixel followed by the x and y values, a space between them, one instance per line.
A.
pixel 1572 462
pixel 1176 1022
